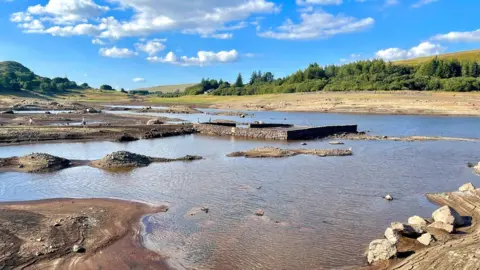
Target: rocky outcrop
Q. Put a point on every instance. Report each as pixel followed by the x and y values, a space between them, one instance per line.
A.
pixel 442 226
pixel 124 159
pixel 392 236
pixel 35 163
pixel 416 220
pixel 273 152
pixel 380 250
pixel 447 215
pixel 125 137
pixel 409 230
pixel 477 168
pixel 426 239
pixel 467 187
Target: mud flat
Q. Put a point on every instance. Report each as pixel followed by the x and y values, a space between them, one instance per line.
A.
pixel 75 234
pixel 362 136
pixel 177 109
pixel 273 152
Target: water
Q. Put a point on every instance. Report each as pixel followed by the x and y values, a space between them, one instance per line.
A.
pixel 319 212
pixel 399 125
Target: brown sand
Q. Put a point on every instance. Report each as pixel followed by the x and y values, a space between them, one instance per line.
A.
pixel 41 234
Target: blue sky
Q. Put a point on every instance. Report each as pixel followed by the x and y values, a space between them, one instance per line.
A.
pixel 139 43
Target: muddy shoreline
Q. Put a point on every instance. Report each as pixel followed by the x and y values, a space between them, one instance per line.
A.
pixel 75 234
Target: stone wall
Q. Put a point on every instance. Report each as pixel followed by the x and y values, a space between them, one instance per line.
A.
pixel 270 125
pixel 258 133
pixel 274 133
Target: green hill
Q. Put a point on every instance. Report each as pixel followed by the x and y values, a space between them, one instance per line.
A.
pixel 473 55
pixel 11 66
pixel 167 88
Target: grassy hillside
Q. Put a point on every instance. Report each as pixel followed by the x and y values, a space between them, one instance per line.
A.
pixel 15 67
pixel 167 88
pixel 473 55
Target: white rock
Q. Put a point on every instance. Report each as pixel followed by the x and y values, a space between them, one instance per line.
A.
pixel 416 220
pixel 392 236
pixel 388 197
pixel 467 187
pixel 407 229
pixel 447 215
pixel 426 239
pixel 380 249
pixel 442 226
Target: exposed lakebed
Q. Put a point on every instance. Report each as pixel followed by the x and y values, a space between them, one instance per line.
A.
pixel 319 212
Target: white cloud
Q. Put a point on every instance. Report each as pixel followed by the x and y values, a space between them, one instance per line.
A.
pixel 423 3
pixel 318 2
pixel 115 52
pixel 389 3
pixel 138 80
pixel 202 17
pixel 151 47
pixel 219 36
pixel 352 57
pixel 423 49
pixel 318 25
pixel 98 41
pixel 203 58
pixel 472 36
pixel 68 11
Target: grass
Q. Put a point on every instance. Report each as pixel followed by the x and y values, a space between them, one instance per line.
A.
pixel 167 88
pixel 473 55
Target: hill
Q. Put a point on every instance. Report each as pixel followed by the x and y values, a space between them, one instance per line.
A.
pixel 167 88
pixel 473 55
pixel 15 67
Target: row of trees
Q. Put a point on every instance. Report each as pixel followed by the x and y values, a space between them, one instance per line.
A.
pixel 436 74
pixel 29 81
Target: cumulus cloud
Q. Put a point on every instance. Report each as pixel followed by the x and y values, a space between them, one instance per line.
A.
pixel 202 17
pixel 352 57
pixel 318 25
pixel 318 2
pixel 423 3
pixel 468 36
pixel 219 36
pixel 115 52
pixel 151 47
pixel 98 41
pixel 138 80
pixel 423 49
pixel 389 3
pixel 203 58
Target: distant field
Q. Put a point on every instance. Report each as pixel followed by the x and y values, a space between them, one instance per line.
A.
pixel 167 88
pixel 466 55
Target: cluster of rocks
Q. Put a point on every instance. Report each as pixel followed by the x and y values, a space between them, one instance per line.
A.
pixel 443 219
pixel 477 168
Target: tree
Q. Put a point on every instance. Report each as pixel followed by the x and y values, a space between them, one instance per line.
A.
pixel 85 86
pixel 268 77
pixel 239 81
pixel 123 90
pixel 253 78
pixel 106 87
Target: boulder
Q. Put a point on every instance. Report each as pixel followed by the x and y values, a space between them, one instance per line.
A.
pixel 380 249
pixel 416 220
pixel 407 229
pixel 388 197
pixel 125 137
pixel 78 249
pixel 152 122
pixel 467 187
pixel 392 236
pixel 442 226
pixel 426 239
pixel 447 215
pixel 259 212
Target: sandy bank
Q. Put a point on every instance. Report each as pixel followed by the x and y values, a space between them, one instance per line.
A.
pixel 42 235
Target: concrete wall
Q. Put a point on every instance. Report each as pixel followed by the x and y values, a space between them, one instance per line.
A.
pixel 270 125
pixel 319 132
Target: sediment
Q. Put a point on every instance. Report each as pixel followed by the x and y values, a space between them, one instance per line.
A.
pixel 35 163
pixel 124 159
pixel 273 152
pixel 75 234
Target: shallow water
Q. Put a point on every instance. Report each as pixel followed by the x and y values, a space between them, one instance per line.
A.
pixel 319 212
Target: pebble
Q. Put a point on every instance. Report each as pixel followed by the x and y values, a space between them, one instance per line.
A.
pixel 259 212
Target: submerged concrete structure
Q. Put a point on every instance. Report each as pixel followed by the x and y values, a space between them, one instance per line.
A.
pixel 273 131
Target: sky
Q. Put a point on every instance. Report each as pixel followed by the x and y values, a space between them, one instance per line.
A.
pixel 140 43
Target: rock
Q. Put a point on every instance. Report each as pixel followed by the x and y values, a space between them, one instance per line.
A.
pixel 259 213
pixel 36 163
pixel 39 239
pixel 205 209
pixel 125 137
pixel 304 143
pixel 336 143
pixel 388 197
pixel 467 187
pixel 152 122
pixel 78 249
pixel 242 115
pixel 442 226
pixel 380 250
pixel 47 112
pixel 21 166
pixel 416 220
pixel 447 215
pixel 392 236
pixel 407 230
pixel 426 239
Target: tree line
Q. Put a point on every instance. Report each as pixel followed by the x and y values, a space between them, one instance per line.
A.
pixel 435 74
